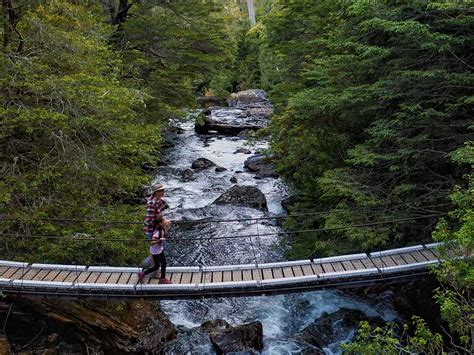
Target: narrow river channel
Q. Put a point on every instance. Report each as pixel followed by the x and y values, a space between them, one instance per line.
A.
pixel 283 317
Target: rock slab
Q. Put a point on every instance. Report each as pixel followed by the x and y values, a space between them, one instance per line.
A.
pixel 227 339
pixel 246 97
pixel 245 196
pixel 202 164
pixel 261 165
pixel 249 110
pixel 333 327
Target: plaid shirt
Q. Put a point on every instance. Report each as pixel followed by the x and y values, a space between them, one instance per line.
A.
pixel 154 210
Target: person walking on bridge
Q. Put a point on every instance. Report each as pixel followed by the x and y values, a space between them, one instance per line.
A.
pixel 156 229
pixel 158 254
pixel 154 211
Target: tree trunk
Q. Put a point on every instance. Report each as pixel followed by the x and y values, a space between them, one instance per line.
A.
pixel 10 20
pixel 251 11
pixel 122 13
pixel 7 6
pixel 118 13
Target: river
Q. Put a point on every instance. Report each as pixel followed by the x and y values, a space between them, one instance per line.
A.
pixel 282 316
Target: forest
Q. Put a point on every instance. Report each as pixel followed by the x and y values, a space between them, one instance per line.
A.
pixel 373 125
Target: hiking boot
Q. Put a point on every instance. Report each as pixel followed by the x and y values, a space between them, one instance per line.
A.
pixel 165 281
pixel 141 276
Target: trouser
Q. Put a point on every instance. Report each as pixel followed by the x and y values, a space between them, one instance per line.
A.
pixel 159 261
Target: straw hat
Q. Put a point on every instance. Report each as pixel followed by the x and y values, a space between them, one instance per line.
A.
pixel 156 187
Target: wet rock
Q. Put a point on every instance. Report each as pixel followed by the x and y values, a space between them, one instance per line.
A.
pixel 137 326
pixel 233 180
pixel 188 174
pixel 242 338
pixel 232 121
pixel 220 169
pixel 247 196
pixel 4 345
pixel 192 341
pixel 231 128
pixel 202 164
pixel 262 166
pixel 243 98
pixel 311 350
pixel 331 327
pixel 215 325
pixel 243 151
pixel 256 162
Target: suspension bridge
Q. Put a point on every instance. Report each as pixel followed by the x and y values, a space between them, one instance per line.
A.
pixel 188 282
pixel 355 270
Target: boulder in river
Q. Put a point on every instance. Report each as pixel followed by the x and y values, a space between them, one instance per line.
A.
pixel 242 151
pixel 215 325
pixel 188 174
pixel 220 169
pixel 261 165
pixel 190 341
pixel 242 338
pixel 246 196
pixel 232 123
pixel 244 98
pixel 202 164
pixel 332 327
pixel 250 111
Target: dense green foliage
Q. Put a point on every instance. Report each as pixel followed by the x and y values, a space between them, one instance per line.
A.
pixel 371 99
pixel 374 123
pixel 457 274
pixel 454 296
pixel 84 104
pixel 387 340
pixel 176 49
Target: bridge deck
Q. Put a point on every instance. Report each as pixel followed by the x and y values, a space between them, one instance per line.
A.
pixel 216 281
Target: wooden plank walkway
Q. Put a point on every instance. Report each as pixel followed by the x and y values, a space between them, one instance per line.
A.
pixel 353 270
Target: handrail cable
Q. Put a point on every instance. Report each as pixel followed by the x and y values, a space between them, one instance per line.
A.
pixel 228 237
pixel 178 222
